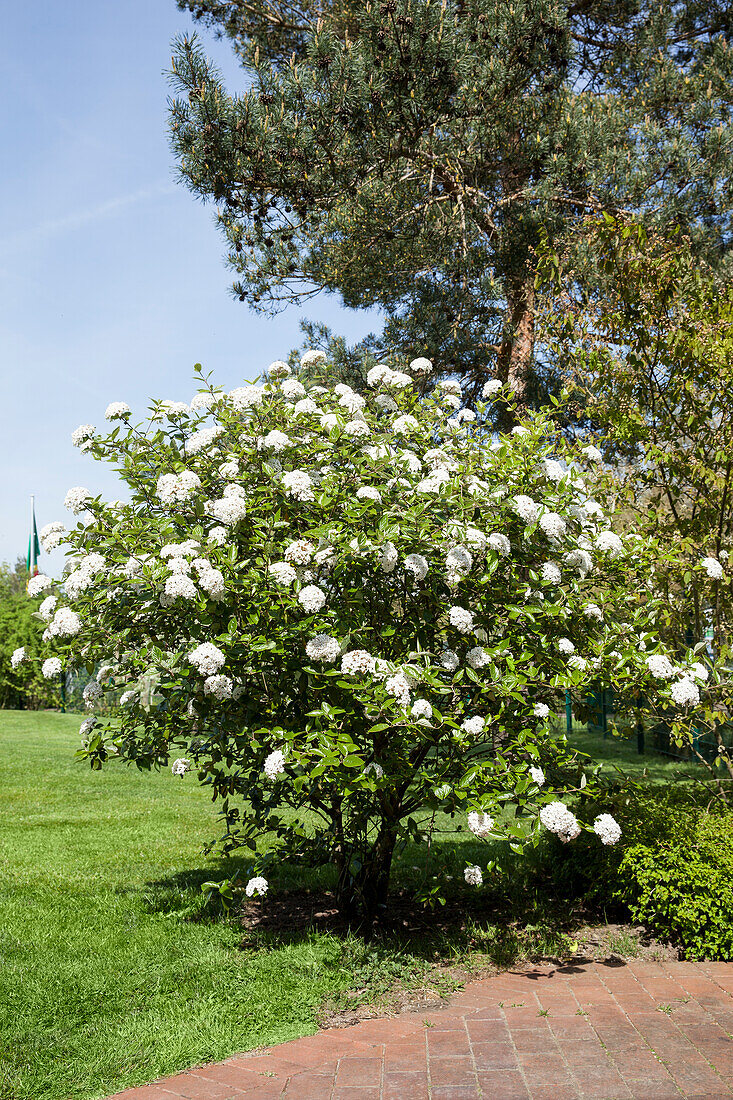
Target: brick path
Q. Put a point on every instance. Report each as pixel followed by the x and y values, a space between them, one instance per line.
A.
pixel 603 1030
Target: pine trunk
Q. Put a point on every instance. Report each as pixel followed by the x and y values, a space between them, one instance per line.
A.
pixel 514 361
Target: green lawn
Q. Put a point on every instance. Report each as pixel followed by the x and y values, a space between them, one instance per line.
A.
pixel 103 982
pixel 108 976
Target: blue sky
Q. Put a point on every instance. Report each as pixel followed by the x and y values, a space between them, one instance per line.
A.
pixel 112 282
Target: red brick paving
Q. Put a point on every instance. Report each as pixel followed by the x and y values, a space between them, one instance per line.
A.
pixel 598 1031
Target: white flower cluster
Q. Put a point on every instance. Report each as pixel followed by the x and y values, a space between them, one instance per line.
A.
pixel 558 819
pixel 175 488
pixel 298 485
pixel 38 584
pixel 527 509
pixel 312 599
pixel 357 662
pixel 181 766
pixel 256 887
pixel 82 436
pixel 76 499
pixel 117 410
pixel 220 687
pixel 323 648
pixel 660 666
pixel 18 656
pixel 207 658
pixel 461 619
pixel 713 568
pixel 274 764
pixel 480 824
pixel 299 552
pixel 473 875
pixel 51 667
pixel 685 692
pixel 52 535
pixel 607 829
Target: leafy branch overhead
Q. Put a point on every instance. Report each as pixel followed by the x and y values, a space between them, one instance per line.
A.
pixel 406 155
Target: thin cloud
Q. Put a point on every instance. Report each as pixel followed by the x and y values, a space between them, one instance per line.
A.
pixel 69 223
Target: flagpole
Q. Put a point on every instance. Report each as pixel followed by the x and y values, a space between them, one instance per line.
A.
pixel 32 557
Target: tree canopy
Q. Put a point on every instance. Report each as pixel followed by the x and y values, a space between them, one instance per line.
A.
pixel 408 154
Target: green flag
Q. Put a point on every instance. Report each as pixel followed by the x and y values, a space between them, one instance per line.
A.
pixel 34 548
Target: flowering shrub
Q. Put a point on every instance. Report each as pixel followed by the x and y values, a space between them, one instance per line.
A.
pixel 363 608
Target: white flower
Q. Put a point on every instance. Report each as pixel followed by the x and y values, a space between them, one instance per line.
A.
pixel 558 819
pixel 609 543
pixel 76 499
pixel 713 568
pixel 396 379
pixel 368 492
pixel 473 726
pixel 207 658
pixel 92 694
pixel 449 660
pixel 592 454
pixel 607 829
pixel 256 887
pixel 541 710
pixel 385 403
pixel 305 407
pixel 538 776
pixel 356 428
pixel 480 824
pixel 65 623
pixel 117 410
pixel 417 565
pixel 553 470
pixel 374 769
pixel 82 436
pixel 229 509
pixel 247 397
pixel 477 657
pixel 17 656
pixel 212 582
pixel 274 764
pixel 593 611
pixel 434 482
pixel 491 388
pixel 202 401
pixel 357 662
pixel 172 488
pixel 697 671
pixel 51 667
pixel 186 549
pixel 352 402
pixel 52 535
pixel 39 584
pixel 299 552
pixel 473 875
pixel 398 686
pixel 282 572
pixel 173 410
pixel 323 648
pixel 292 390
pixel 403 425
pixel 181 766
pixel 312 356
pixel 47 608
pixel 450 385
pixel 278 369
pixel 526 508
pixel 388 557
pixel 421 708
pixel 311 598
pixel 299 485
pixel 577 662
pixel 127 697
pixel 500 544
pixel 685 692
pixel 218 535
pixel 376 374
pixel 565 646
pixel 553 525
pixel 580 560
pixel 451 401
pixel 274 441
pixel 551 573
pixel 458 562
pixel 221 687
pixel 200 440
pixel 180 586
pixel 420 366
pixel 660 666
pixel 461 619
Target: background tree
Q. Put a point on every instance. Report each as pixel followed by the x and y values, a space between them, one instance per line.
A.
pixel 405 154
pixel 23 686
pixel 649 363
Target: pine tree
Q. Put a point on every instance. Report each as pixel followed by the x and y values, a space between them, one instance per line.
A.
pixel 408 154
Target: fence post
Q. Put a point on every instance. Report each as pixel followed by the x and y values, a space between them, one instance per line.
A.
pixel 568 713
pixel 639 734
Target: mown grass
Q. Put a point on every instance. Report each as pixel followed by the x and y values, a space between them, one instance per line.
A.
pixel 111 975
